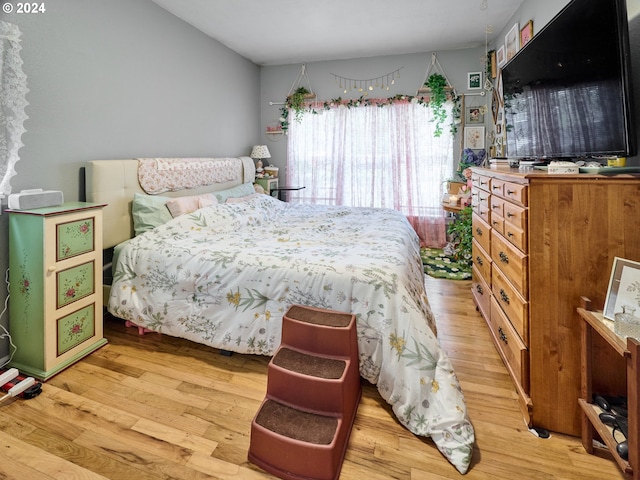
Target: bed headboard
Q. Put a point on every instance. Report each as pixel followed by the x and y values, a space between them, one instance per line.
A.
pixel 114 182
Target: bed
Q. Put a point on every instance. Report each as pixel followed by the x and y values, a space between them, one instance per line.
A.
pixel 223 274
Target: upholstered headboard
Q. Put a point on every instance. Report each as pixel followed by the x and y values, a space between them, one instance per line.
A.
pixel 114 183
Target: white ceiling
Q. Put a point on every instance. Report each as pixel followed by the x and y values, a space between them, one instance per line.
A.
pixel 278 32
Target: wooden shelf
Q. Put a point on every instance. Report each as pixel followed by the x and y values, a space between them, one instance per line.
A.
pixel 594 322
pixel 605 432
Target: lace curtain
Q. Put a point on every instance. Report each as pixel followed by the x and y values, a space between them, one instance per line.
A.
pixel 374 156
pixel 13 90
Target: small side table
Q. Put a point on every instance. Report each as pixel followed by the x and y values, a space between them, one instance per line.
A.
pixel 269 184
pixel 282 191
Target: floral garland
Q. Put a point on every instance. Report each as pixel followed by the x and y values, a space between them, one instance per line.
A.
pixel 315 107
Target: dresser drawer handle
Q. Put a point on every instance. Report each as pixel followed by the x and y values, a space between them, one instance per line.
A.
pixel 504 258
pixel 479 289
pixel 503 336
pixel 495 207
pixel 483 183
pixel 509 215
pixel 509 234
pixel 504 296
pixel 496 187
pixel 479 260
pixel 479 231
pixel 495 222
pixel 510 192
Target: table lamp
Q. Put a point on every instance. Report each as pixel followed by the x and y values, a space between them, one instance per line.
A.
pixel 258 153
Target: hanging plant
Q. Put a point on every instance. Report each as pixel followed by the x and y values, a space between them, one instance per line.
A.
pixel 296 102
pixel 437 98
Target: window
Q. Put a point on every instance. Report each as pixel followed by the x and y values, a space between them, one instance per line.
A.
pixel 374 156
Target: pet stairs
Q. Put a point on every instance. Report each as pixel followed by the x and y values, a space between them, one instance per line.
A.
pixel 302 428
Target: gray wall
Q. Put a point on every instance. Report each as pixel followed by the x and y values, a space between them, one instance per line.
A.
pixel 120 79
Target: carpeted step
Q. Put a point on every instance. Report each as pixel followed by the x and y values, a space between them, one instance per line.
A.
pixel 312 365
pixel 317 316
pixel 296 424
pixel 319 331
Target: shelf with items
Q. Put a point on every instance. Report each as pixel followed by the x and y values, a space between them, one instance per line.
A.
pixel 594 327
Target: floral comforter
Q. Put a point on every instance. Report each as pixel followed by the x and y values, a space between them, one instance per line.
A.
pixel 225 275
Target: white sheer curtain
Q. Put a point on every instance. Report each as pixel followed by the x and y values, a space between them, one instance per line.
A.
pixel 13 89
pixel 374 156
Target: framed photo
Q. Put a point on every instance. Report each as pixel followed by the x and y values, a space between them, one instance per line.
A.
pixel 526 33
pixel 494 64
pixel 495 105
pixel 511 42
pixel 501 57
pixel 624 287
pixel 474 115
pixel 474 137
pixel 474 80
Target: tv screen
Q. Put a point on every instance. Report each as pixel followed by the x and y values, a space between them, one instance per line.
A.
pixel 567 92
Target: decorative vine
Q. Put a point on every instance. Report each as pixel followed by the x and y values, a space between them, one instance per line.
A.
pixel 315 107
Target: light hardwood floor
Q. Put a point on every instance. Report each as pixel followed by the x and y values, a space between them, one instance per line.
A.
pixel 155 407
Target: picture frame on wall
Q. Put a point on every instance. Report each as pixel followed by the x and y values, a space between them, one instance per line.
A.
pixel 494 64
pixel 526 33
pixel 474 137
pixel 474 116
pixel 511 42
pixel 474 80
pixel 501 56
pixel 624 287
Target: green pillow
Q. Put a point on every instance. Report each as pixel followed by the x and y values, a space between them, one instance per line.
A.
pixel 148 212
pixel 235 192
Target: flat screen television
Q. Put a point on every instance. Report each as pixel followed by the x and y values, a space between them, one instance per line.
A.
pixel 567 92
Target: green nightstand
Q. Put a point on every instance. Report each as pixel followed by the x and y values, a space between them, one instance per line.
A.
pixel 55 268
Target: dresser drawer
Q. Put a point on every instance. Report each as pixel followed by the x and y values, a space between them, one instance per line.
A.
pixel 516 236
pixel 480 181
pixel 511 261
pixel 482 210
pixel 496 204
pixel 516 193
pixel 497 223
pixel 515 215
pixel 481 292
pixel 481 232
pixel 512 349
pixel 481 260
pixel 514 305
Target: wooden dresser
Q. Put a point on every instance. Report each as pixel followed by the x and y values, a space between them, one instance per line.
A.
pixel 541 242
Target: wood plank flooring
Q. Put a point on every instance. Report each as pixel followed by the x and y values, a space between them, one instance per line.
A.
pixel 155 407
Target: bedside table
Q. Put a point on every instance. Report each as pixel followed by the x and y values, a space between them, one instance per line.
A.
pixel 55 268
pixel 268 184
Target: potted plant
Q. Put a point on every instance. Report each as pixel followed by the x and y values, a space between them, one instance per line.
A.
pixel 461 234
pixel 437 85
pixel 296 101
